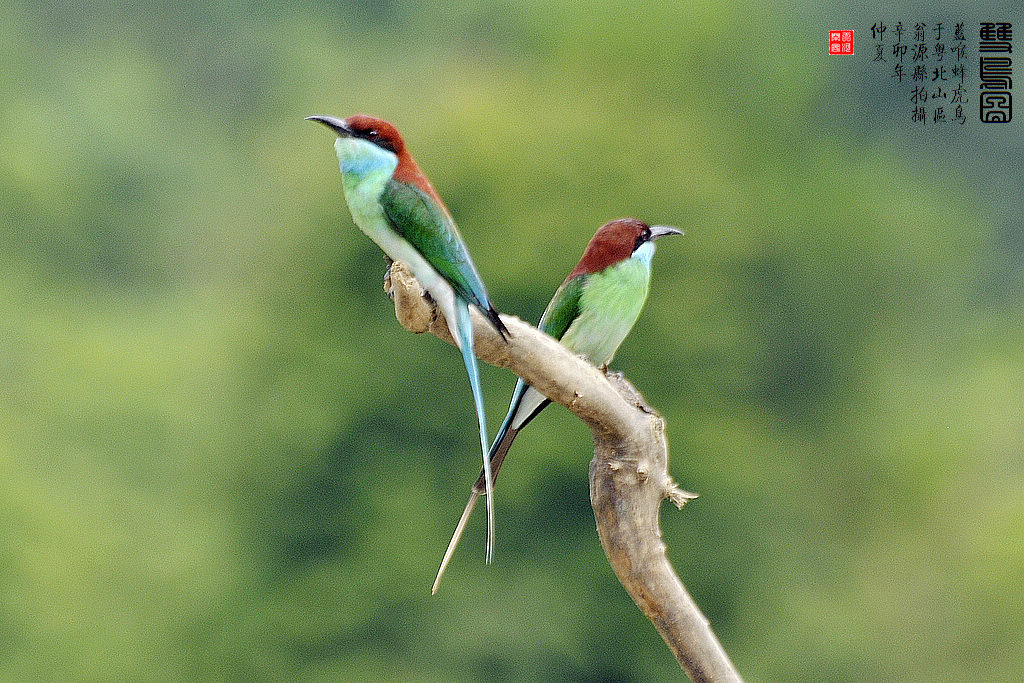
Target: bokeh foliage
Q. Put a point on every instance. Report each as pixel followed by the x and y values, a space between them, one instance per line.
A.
pixel 224 459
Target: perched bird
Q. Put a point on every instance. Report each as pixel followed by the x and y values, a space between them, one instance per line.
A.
pixel 591 313
pixel 392 201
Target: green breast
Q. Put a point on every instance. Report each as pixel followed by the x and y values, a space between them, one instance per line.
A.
pixel 609 307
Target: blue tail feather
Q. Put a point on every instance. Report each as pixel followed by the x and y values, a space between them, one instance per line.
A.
pixel 507 422
pixel 465 333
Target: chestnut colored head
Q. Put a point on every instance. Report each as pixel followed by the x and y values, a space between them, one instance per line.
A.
pixel 616 241
pixel 377 131
pixel 383 134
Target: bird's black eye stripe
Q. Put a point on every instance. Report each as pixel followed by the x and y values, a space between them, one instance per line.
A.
pixel 641 238
pixel 373 135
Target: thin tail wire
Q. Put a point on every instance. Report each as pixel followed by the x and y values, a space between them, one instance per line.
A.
pixel 499 448
pixel 456 537
pixel 465 332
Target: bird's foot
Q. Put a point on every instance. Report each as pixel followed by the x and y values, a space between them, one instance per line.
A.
pixel 388 287
pixel 610 374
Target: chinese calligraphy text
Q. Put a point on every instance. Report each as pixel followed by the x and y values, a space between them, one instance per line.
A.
pixel 995 71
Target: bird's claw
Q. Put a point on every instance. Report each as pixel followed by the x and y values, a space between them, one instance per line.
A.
pixel 388 286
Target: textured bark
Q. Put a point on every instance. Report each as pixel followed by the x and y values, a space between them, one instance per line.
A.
pixel 628 475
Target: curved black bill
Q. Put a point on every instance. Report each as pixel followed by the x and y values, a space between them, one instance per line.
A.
pixel 335 124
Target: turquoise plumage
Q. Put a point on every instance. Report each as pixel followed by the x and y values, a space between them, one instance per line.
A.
pixel 392 201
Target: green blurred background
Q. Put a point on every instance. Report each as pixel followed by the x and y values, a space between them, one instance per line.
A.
pixel 223 459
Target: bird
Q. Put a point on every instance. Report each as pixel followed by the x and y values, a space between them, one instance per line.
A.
pixel 590 313
pixel 394 204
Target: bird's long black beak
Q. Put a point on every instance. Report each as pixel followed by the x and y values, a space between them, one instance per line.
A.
pixel 337 125
pixel 662 230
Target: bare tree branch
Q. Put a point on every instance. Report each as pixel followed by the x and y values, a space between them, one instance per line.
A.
pixel 628 475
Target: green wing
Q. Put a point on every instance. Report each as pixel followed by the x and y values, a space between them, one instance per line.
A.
pixel 564 307
pixel 429 228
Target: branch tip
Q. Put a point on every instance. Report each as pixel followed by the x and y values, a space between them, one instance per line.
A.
pixel 679 497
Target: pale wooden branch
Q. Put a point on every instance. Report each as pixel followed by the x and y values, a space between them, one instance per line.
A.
pixel 628 475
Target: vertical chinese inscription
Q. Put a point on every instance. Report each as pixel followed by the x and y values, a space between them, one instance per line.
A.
pixel 958 49
pixel 919 74
pixel 995 70
pixel 929 58
pixel 939 76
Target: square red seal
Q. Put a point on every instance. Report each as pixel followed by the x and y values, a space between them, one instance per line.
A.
pixel 840 42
